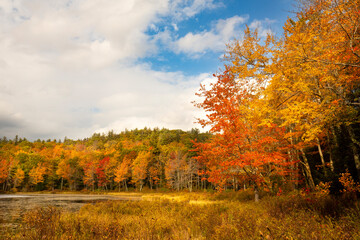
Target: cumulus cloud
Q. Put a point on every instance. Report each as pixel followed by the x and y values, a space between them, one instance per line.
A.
pixel 184 9
pixel 160 103
pixel 263 26
pixel 88 32
pixel 215 39
pixel 79 103
pixel 70 68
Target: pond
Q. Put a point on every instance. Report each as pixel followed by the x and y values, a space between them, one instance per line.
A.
pixel 13 206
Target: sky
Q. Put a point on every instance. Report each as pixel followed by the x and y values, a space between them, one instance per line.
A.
pixel 78 67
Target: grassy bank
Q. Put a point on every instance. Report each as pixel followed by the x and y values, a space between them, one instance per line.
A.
pixel 200 216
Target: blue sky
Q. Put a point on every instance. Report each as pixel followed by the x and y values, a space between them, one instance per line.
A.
pixel 276 12
pixel 72 68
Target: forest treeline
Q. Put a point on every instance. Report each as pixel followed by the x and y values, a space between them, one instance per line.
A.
pixel 148 157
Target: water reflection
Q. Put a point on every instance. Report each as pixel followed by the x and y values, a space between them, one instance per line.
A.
pixel 12 196
pixel 13 207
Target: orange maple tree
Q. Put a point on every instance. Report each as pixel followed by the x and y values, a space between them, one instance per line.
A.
pixel 4 165
pixel 122 172
pixel 37 174
pixel 242 147
pixel 139 168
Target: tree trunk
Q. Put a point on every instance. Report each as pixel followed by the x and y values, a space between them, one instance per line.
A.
pixel 126 188
pixel 190 184
pixel 198 182
pixel 234 189
pixel 351 146
pixel 6 184
pixel 307 170
pixel 321 157
pixel 256 193
pixel 141 185
pixel 331 160
pixel 354 147
pixel 178 180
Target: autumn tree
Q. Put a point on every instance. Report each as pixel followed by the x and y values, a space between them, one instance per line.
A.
pixel 4 171
pixel 101 172
pixel 7 165
pixel 180 169
pixel 314 90
pixel 140 167
pixel 37 174
pixel 242 145
pixel 89 175
pixel 18 177
pixel 89 167
pixel 64 171
pixel 122 172
pixel 113 152
pixel 175 166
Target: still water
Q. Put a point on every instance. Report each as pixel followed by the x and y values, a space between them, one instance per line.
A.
pixel 13 206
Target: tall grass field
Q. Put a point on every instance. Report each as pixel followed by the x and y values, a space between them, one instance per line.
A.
pixel 230 215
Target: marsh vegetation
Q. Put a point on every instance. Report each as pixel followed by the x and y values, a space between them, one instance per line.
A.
pixel 228 215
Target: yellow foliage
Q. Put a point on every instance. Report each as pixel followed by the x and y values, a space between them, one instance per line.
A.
pixel 37 174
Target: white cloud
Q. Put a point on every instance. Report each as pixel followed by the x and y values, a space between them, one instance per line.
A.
pixel 158 104
pixel 75 104
pixel 49 102
pixel 199 5
pixel 184 9
pixel 222 32
pixel 175 27
pixel 69 68
pixel 263 26
pixel 213 40
pixel 90 32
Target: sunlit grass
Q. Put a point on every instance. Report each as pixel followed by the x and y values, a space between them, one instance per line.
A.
pixel 199 216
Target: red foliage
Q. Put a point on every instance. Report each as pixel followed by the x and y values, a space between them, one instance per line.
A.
pixel 100 171
pixel 242 146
